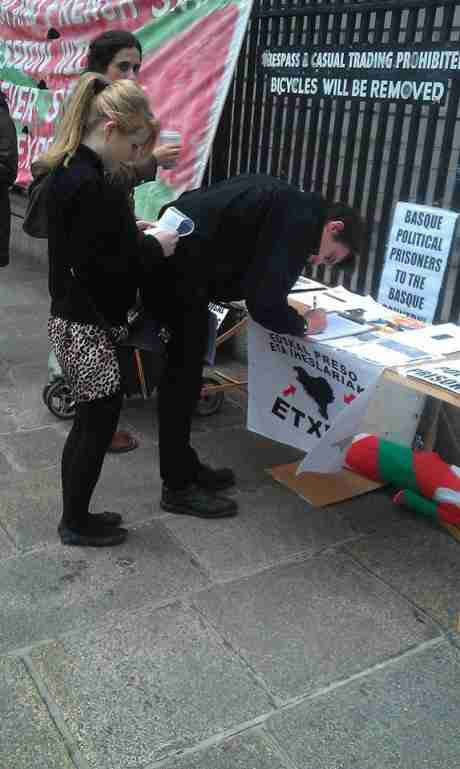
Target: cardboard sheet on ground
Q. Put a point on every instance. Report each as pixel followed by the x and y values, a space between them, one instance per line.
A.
pixel 298 388
pixel 320 490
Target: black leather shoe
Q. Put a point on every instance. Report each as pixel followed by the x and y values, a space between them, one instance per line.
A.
pixel 107 518
pixel 92 536
pixel 215 480
pixel 198 502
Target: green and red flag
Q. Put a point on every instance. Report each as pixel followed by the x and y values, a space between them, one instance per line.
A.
pixel 190 51
pixel 427 485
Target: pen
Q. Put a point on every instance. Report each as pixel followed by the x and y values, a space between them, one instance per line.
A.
pixel 337 298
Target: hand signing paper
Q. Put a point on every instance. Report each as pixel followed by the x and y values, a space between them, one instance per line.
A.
pixel 315 320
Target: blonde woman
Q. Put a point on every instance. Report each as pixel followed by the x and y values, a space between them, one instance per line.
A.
pixel 96 265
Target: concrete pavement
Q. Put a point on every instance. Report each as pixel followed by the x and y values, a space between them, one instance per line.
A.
pixel 285 638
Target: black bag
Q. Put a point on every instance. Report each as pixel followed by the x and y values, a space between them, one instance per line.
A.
pixel 35 221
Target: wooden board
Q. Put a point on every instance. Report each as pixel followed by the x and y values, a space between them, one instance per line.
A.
pixel 321 489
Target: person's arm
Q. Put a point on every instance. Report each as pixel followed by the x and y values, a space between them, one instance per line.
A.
pixel 130 175
pixel 280 253
pixel 144 170
pixel 8 150
pixel 99 223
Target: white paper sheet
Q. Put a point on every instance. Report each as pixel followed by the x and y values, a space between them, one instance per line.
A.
pixel 307 284
pixel 339 327
pixel 442 339
pixel 390 352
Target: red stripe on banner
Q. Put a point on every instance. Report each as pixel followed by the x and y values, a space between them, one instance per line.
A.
pixel 30 21
pixel 182 93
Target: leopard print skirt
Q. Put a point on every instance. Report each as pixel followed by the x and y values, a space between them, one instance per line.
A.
pixel 87 357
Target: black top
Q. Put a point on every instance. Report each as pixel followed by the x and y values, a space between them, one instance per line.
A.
pixel 253 236
pixel 92 230
pixel 8 171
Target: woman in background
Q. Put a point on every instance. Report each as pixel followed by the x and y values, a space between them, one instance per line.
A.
pixel 8 172
pixel 117 54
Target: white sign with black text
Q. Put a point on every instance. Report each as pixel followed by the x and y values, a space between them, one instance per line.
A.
pixel 299 388
pixel 416 259
pixel 444 374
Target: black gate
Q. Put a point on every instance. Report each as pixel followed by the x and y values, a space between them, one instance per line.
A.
pixel 370 152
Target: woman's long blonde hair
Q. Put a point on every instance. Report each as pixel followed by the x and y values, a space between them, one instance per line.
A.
pixel 96 99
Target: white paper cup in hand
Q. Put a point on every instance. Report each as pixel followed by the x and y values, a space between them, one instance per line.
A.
pixel 170 137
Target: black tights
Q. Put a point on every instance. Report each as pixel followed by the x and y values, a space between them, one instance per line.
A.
pixel 83 455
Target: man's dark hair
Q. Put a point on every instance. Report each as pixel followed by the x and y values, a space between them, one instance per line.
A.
pixel 104 47
pixel 353 232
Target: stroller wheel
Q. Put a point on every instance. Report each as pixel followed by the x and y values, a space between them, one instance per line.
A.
pixel 209 403
pixel 58 398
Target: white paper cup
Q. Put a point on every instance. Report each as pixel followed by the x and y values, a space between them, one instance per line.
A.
pixel 170 137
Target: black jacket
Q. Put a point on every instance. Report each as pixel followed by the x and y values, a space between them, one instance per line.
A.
pixel 253 235
pixel 92 232
pixel 8 172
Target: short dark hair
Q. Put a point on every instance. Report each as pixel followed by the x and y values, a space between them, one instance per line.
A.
pixel 104 47
pixel 353 232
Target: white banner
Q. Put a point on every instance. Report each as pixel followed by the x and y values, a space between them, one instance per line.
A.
pixel 329 453
pixel 298 388
pixel 416 259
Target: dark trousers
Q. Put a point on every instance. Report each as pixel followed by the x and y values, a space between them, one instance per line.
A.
pixel 179 390
pixel 83 455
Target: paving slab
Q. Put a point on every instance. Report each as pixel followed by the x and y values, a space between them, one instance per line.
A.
pixel 404 716
pixel 251 751
pixel 47 593
pixel 28 736
pixel 249 455
pixel 421 561
pixel 140 417
pixel 7 421
pixel 24 320
pixel 273 525
pixel 164 683
pixel 307 625
pixel 15 293
pixel 22 397
pixel 7 547
pixel 30 507
pixel 130 484
pixel 26 450
pixel 372 513
pixel 230 415
pixel 31 502
pixel 16 349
